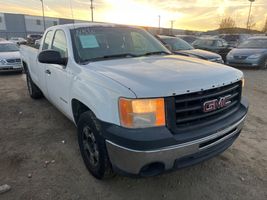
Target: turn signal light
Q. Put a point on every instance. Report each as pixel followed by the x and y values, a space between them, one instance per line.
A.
pixel 142 113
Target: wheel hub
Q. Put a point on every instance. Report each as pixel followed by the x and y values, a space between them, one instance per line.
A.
pixel 90 146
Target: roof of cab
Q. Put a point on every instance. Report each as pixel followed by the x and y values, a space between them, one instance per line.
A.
pixel 258 38
pixel 89 24
pixel 166 36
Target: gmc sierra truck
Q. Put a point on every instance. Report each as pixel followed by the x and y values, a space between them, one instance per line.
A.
pixel 139 109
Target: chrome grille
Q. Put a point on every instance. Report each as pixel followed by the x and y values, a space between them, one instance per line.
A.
pixel 12 61
pixel 189 107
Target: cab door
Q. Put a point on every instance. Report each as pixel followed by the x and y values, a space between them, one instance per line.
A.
pixel 41 68
pixel 58 77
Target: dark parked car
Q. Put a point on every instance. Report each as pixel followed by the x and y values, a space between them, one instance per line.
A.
pixel 251 53
pixel 215 45
pixel 181 47
pixel 31 38
pixel 234 39
pixel 188 38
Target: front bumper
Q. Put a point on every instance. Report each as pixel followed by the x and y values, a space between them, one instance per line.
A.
pixel 243 63
pixel 153 162
pixel 148 152
pixel 11 68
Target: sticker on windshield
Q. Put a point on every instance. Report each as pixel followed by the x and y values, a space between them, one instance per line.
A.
pixel 88 41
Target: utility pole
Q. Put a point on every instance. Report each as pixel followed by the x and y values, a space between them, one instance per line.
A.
pixel 172 22
pixel 92 11
pixel 159 23
pixel 251 1
pixel 43 14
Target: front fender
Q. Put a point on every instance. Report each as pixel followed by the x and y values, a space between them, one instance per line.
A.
pixel 100 94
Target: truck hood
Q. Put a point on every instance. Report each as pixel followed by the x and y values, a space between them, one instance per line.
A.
pixel 10 55
pixel 161 76
pixel 201 54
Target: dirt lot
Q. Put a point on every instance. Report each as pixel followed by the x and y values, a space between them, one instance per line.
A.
pixel 31 132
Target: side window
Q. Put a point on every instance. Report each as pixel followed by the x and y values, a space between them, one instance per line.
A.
pixel 219 43
pixel 38 22
pixel 47 40
pixel 60 43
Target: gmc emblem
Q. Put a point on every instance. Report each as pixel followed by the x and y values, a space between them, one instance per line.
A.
pixel 215 104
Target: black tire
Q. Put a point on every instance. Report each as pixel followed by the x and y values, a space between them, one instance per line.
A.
pixel 264 64
pixel 33 90
pixel 93 147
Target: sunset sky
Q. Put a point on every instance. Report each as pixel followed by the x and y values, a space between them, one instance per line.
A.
pixel 188 14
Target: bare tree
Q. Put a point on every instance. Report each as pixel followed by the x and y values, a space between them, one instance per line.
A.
pixel 264 30
pixel 227 22
pixel 251 23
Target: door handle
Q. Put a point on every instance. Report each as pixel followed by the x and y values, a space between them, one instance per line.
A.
pixel 48 71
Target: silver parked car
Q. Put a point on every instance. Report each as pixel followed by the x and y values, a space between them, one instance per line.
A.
pixel 10 57
pixel 18 40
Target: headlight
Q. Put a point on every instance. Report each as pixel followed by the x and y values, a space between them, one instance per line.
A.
pixel 3 61
pixel 142 113
pixel 243 82
pixel 218 59
pixel 255 56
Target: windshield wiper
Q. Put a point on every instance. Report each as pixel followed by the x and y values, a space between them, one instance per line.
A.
pixel 123 55
pixel 156 53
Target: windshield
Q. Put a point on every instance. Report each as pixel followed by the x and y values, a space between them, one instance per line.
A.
pixel 177 44
pixel 254 44
pixel 189 39
pixel 8 48
pixel 205 42
pixel 100 43
pixel 231 38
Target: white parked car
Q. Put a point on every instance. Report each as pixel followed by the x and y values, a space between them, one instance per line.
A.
pixel 139 109
pixel 18 40
pixel 10 57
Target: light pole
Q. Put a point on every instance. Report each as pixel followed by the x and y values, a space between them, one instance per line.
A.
pixel 251 1
pixel 159 23
pixel 92 10
pixel 43 13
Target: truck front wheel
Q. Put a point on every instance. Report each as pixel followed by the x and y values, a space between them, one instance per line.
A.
pixel 264 64
pixel 93 147
pixel 34 91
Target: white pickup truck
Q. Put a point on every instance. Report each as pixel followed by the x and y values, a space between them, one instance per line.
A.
pixel 139 110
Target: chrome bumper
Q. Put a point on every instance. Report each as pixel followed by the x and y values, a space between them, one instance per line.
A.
pixel 132 161
pixel 14 67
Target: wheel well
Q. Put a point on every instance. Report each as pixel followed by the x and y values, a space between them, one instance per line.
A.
pixel 25 66
pixel 77 109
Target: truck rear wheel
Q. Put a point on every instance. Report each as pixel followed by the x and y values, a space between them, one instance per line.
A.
pixel 92 146
pixel 34 91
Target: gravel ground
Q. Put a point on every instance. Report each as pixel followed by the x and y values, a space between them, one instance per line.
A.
pixel 33 132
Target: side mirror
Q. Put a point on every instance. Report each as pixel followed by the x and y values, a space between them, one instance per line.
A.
pixel 52 57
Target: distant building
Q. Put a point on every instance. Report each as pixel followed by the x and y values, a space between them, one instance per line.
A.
pixel 19 25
